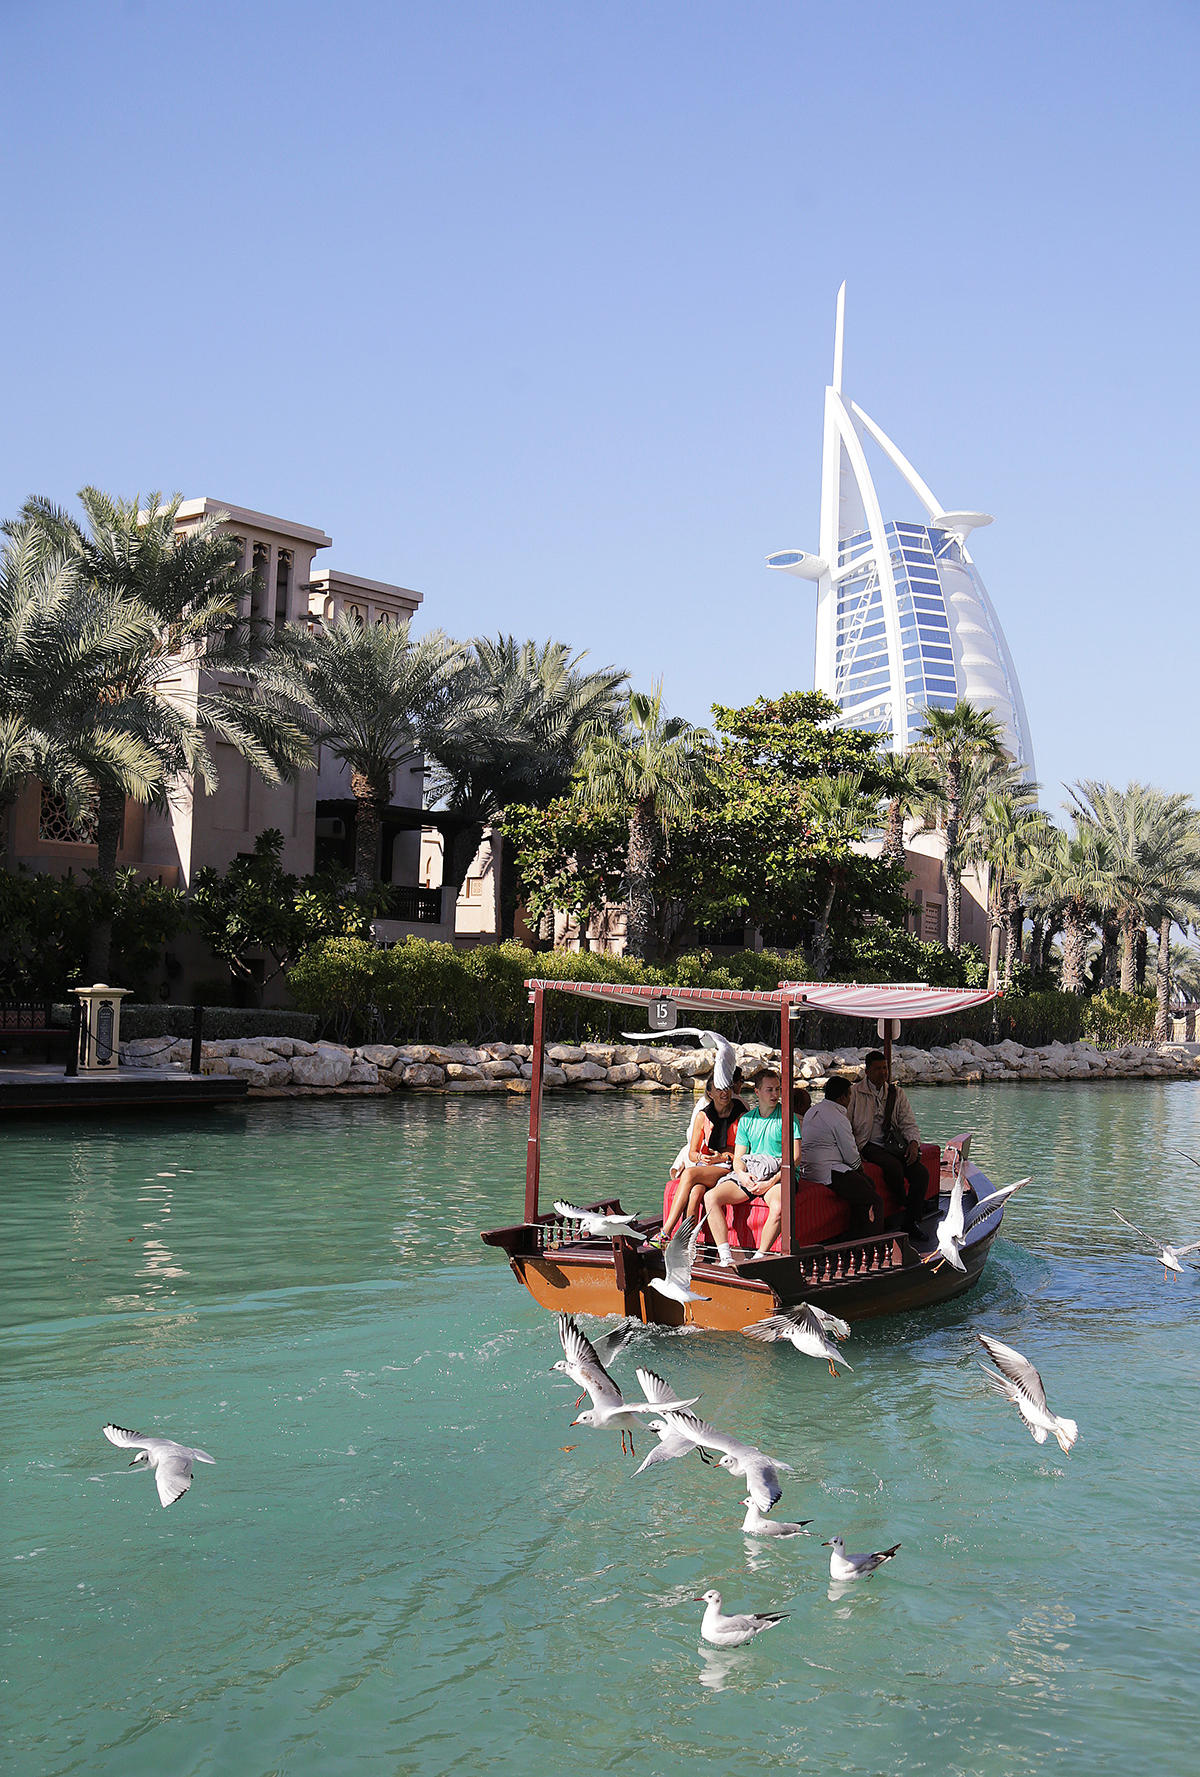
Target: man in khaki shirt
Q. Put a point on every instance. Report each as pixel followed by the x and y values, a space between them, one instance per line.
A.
pixel 892 1142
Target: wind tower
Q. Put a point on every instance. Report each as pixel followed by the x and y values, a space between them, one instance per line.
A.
pixel 904 621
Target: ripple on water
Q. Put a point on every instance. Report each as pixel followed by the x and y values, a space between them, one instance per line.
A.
pixel 407 1555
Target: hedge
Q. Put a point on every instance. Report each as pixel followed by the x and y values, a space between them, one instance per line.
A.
pixel 418 991
pixel 219 1021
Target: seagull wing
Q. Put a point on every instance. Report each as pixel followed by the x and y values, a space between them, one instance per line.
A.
pixel 1017 1369
pixel 775 1326
pixel 584 1367
pixel 569 1210
pixel 986 1205
pixel 762 1480
pixel 831 1322
pixel 670 1444
pixel 679 1254
pixel 699 1431
pixel 173 1475
pixel 128 1440
pixel 1152 1238
pixel 612 1344
pixel 656 1391
pixel 1193 1246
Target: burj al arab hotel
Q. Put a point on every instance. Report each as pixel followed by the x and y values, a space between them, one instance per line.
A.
pixel 904 622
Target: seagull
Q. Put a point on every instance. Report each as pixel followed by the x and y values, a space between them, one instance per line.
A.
pixel 609 1410
pixel 670 1444
pixel 171 1462
pixel 679 1256
pixel 955 1225
pixel 760 1471
pixel 854 1567
pixel 756 1524
pixel 1169 1257
pixel 605 1347
pixel 732 1631
pixel 596 1223
pixel 1020 1383
pixel 725 1064
pixel 951 1228
pixel 806 1328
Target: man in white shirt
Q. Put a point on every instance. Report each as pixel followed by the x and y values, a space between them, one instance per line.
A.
pixel 828 1154
pixel 886 1133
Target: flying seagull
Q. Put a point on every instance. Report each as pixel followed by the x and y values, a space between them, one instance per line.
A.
pixel 955 1225
pixel 1020 1383
pixel 760 1471
pixel 679 1256
pixel 755 1523
pixel 726 1062
pixel 808 1329
pixel 854 1567
pixel 609 1410
pixel 1169 1257
pixel 171 1462
pixel 598 1223
pixel 731 1631
pixel 606 1346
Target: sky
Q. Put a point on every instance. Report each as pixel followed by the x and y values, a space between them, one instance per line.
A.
pixel 530 307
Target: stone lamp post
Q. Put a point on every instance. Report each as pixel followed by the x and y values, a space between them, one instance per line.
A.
pixel 100 1010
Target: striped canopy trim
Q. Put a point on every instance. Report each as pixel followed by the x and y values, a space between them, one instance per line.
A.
pixel 847 998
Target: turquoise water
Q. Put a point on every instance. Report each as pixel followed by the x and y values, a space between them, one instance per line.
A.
pixel 395 1565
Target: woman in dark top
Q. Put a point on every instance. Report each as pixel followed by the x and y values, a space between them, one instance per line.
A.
pixel 711 1137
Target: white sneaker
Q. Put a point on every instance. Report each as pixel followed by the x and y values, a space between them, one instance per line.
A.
pixel 725 1259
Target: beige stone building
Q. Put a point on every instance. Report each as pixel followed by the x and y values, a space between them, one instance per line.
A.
pixel 315 812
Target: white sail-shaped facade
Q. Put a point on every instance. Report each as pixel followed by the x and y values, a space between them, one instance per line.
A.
pixel 904 621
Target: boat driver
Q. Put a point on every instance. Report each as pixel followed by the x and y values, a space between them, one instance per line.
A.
pixel 886 1132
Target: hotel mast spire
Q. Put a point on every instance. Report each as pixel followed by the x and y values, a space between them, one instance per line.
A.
pixel 904 621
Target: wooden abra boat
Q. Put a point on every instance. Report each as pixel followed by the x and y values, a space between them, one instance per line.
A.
pixel 570 1273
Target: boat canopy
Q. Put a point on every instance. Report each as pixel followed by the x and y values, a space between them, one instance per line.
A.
pixel 847 998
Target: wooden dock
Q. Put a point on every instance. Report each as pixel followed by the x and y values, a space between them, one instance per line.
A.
pixel 41 1089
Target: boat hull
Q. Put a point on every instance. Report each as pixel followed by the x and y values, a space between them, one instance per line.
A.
pixel 858 1280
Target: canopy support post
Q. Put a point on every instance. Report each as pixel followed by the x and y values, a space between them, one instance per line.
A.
pixel 533 1152
pixel 787 1228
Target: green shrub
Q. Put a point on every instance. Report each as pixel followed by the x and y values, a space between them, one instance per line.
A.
pixel 219 1022
pixel 1112 1018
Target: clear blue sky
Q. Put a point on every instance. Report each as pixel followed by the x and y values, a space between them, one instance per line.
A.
pixel 530 306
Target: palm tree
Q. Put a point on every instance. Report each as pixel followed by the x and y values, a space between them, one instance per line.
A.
pixel 1001 824
pixel 840 812
pixel 1149 834
pixel 951 740
pixel 649 769
pixel 181 590
pixel 374 698
pixel 526 713
pixel 905 783
pixel 54 648
pixel 1075 875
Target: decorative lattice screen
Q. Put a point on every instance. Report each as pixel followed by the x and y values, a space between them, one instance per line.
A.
pixel 55 822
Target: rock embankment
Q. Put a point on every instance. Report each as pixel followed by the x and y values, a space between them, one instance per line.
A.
pixel 281 1067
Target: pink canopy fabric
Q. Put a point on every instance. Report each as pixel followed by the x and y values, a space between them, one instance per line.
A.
pixel 846 998
pixel 853 1001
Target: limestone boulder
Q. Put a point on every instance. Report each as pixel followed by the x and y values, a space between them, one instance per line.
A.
pixel 624 1073
pixel 362 1073
pixel 378 1054
pixel 603 1053
pixel 661 1072
pixel 330 1066
pixel 578 1073
pixel 564 1052
pixel 300 1047
pixel 424 1073
pixel 499 1069
pixel 462 1070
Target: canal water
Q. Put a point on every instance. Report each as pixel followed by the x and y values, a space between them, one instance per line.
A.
pixel 406 1560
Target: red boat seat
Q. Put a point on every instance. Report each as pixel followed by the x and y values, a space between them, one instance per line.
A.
pixel 820 1215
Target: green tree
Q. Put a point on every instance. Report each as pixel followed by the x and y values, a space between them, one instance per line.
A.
pixel 527 710
pixel 1073 874
pixel 906 782
pixel 567 857
pixel 181 591
pixel 374 698
pixel 57 641
pixel 648 769
pixel 1150 835
pixel 951 740
pixel 841 812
